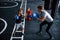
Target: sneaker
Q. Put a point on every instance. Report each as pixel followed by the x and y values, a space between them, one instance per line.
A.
pixel 52 38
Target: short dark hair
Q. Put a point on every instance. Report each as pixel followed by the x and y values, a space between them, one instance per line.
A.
pixel 40 7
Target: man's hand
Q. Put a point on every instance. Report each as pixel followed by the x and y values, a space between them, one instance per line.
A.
pixel 41 19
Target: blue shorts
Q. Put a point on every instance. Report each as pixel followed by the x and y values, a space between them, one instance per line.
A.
pixel 28 16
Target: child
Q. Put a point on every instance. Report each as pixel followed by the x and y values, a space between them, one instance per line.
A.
pixel 29 14
pixel 19 20
pixel 19 16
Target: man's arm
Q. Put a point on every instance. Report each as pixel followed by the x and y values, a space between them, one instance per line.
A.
pixel 41 19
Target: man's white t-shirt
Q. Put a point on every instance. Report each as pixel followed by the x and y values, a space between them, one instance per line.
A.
pixel 46 15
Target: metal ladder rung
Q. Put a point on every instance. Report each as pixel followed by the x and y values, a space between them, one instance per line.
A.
pixel 16 37
pixel 18 31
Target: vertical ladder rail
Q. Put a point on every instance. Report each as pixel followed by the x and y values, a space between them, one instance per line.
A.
pixel 13 31
pixel 21 4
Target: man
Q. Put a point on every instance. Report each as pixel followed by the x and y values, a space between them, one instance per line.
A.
pixel 45 18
